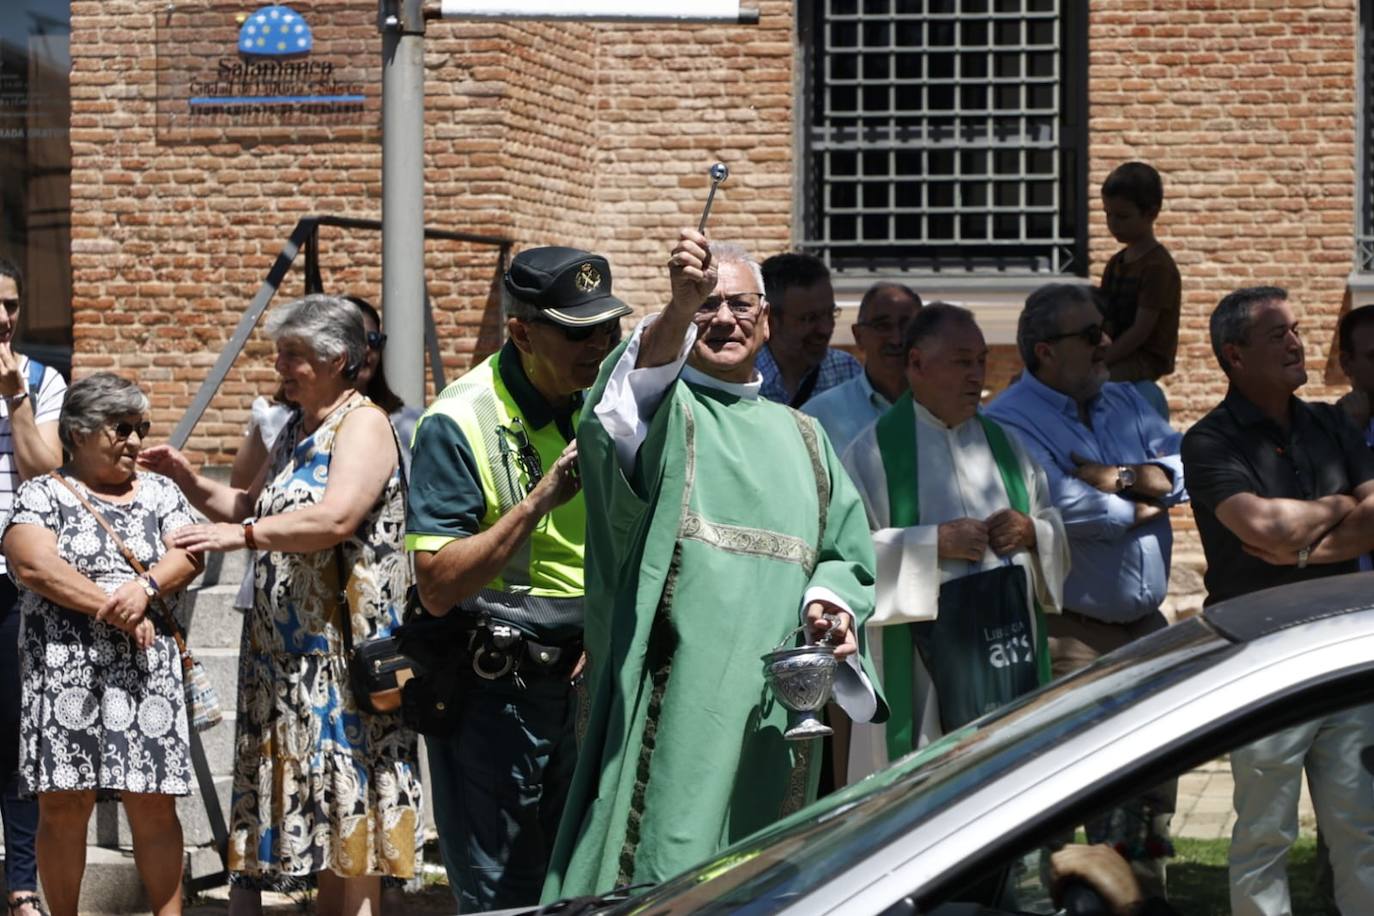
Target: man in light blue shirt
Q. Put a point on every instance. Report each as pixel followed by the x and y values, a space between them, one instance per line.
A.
pixel 1114 471
pixel 843 411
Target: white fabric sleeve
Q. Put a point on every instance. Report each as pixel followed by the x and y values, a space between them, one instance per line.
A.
pixel 853 691
pixel 908 559
pixel 1050 561
pixel 908 577
pixel 269 418
pixel 631 395
pixel 47 400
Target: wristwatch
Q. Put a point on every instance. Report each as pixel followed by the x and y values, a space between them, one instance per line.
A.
pixel 149 585
pixel 14 400
pixel 1125 477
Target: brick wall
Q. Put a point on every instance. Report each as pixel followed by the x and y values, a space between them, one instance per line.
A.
pixel 1248 110
pixel 670 103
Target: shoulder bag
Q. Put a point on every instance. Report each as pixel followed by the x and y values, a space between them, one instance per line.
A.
pixel 201 700
pixel 377 668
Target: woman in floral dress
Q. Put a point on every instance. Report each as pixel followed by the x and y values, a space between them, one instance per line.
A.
pixel 104 704
pixel 320 787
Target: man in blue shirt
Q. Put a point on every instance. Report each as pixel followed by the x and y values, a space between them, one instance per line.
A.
pixel 884 312
pixel 797 363
pixel 1114 471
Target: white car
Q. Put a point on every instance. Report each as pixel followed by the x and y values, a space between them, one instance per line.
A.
pixel 963 821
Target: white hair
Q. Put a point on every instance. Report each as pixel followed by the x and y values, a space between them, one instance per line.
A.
pixel 735 253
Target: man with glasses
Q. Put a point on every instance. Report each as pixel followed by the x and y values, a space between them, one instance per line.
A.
pixel 32 396
pixel 1114 472
pixel 797 362
pixel 884 312
pixel 496 523
pixel 720 526
pixel 1283 491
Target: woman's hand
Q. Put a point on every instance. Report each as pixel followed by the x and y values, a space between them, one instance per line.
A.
pixel 200 538
pixel 126 607
pixel 143 634
pixel 167 461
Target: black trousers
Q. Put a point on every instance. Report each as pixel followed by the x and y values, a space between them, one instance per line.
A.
pixel 20 814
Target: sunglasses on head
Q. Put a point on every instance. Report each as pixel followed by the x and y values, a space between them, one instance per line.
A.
pixel 124 429
pixel 586 332
pixel 1091 335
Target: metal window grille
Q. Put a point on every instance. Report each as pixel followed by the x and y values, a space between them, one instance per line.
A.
pixel 946 135
pixel 1364 228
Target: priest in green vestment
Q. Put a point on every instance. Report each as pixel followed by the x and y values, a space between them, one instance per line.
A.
pixel 718 524
pixel 951 496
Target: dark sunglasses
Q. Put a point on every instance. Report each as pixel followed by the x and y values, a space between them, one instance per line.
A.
pixel 11 305
pixel 587 332
pixel 1091 335
pixel 375 340
pixel 125 429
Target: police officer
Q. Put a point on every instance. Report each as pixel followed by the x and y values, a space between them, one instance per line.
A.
pixel 495 522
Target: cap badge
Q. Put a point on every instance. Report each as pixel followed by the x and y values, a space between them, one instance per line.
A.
pixel 588 278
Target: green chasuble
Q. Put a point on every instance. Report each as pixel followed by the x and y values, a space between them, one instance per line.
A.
pixel 696 567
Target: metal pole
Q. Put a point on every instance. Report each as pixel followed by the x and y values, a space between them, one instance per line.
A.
pixel 402 26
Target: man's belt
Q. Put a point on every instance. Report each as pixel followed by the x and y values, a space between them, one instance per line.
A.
pixel 498 650
pixel 559 618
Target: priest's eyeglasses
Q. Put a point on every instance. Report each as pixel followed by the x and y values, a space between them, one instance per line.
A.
pixel 744 306
pixel 516 447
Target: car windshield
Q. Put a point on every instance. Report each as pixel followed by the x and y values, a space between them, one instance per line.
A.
pixel 772 868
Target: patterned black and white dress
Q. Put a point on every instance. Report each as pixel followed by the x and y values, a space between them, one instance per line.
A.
pixel 100 713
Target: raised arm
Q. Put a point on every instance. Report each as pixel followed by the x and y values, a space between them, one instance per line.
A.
pixel 37 448
pixel 693 275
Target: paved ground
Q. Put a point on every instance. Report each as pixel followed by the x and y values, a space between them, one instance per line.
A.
pixel 432 901
pixel 1204 804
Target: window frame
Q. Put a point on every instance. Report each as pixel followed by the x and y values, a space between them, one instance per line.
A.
pixel 949 264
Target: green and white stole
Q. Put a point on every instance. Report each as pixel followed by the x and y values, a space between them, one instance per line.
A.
pixel 896 433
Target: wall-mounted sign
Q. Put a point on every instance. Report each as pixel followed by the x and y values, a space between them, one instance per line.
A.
pixel 242 71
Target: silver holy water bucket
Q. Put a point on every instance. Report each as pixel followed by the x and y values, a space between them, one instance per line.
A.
pixel 802 678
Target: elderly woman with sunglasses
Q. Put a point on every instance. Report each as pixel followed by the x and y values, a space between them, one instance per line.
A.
pixel 320 787
pixel 104 703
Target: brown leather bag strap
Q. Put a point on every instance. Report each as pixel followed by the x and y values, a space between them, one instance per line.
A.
pixel 168 620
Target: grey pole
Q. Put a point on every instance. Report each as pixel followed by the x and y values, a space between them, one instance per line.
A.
pixel 402 25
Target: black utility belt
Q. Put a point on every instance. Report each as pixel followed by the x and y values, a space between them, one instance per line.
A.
pixel 500 650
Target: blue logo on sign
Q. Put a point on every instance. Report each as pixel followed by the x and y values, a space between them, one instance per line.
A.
pixel 275 32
